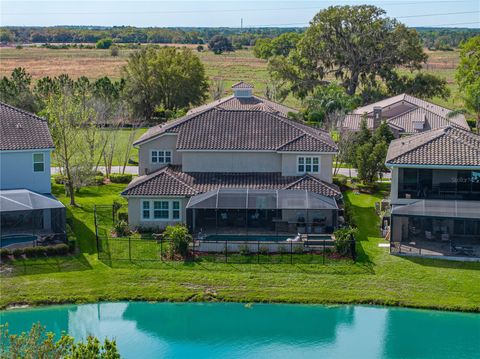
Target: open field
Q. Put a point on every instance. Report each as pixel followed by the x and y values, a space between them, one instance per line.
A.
pixel 376 278
pixel 232 67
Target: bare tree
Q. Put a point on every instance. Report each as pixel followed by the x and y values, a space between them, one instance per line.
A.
pixel 217 88
pixel 346 150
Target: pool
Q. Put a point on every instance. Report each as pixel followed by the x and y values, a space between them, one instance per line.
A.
pixel 243 238
pixel 9 240
pixel 234 330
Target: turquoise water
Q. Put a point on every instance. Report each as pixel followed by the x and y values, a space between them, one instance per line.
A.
pixel 16 238
pixel 255 238
pixel 232 330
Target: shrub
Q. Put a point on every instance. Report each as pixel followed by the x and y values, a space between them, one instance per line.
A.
pixel 18 252
pixel 98 180
pixel 123 216
pixel 298 249
pixel 122 229
pixel 19 47
pixel 114 51
pixel 342 240
pixel 59 249
pixel 282 249
pixel 59 179
pixel 120 178
pixel 200 48
pixel 34 252
pixel 5 253
pixel 244 250
pixel 341 181
pixel 263 250
pixel 179 237
pixel 104 43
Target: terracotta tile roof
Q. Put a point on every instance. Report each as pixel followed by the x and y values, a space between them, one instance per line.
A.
pixel 171 181
pixel 21 130
pixel 401 111
pixel 242 85
pixel 448 146
pixel 243 124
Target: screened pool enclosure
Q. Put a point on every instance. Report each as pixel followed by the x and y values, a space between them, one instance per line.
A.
pixel 254 211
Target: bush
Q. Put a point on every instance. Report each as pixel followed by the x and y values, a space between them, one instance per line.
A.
pixel 298 249
pixel 59 179
pixel 341 181
pixel 342 240
pixel 104 43
pixel 200 48
pixel 123 216
pixel 122 229
pixel 282 249
pixel 35 252
pixel 98 180
pixel 59 249
pixel 18 252
pixel 263 250
pixel 5 253
pixel 114 51
pixel 179 237
pixel 120 178
pixel 244 250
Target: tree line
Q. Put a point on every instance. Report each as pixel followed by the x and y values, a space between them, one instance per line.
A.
pixel 433 38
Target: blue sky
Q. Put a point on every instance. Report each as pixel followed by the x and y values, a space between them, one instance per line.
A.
pixel 459 13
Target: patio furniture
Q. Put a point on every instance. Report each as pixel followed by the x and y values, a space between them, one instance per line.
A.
pixel 445 237
pixel 463 250
pixel 428 235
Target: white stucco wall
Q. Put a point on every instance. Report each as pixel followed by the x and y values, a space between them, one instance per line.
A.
pixel 166 142
pixel 16 171
pixel 231 162
pixel 289 165
pixel 135 212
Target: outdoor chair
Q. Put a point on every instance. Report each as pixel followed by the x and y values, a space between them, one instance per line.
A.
pixel 445 237
pixel 428 235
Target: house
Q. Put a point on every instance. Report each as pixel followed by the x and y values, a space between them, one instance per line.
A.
pixel 435 193
pixel 27 208
pixel 237 164
pixel 405 115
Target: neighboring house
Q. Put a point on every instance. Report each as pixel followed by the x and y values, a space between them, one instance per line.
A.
pixel 435 193
pixel 404 114
pixel 26 203
pixel 234 163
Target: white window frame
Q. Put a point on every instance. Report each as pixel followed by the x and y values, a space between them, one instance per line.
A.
pixel 170 209
pixel 160 159
pixel 310 164
pixel 38 162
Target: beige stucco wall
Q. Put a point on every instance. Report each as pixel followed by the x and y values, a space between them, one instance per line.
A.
pixel 231 162
pixel 166 142
pixel 289 166
pixel 135 213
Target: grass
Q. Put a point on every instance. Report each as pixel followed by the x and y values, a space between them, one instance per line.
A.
pixel 377 277
pixel 232 67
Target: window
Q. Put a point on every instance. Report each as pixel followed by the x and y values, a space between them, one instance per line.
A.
pixel 146 210
pixel 161 156
pixel 38 162
pixel 176 210
pixel 160 209
pixel 308 164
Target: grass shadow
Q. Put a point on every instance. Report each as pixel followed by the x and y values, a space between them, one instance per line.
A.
pixel 442 263
pixel 31 266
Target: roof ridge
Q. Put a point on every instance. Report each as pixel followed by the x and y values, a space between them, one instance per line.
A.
pixel 31 114
pixel 178 179
pixel 145 178
pixel 291 141
pixel 458 139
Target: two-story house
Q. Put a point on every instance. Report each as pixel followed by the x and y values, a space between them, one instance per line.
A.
pixel 435 193
pixel 27 207
pixel 234 164
pixel 404 114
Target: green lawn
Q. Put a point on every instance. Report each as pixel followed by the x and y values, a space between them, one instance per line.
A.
pixel 377 278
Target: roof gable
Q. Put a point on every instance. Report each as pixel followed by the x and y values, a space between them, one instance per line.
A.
pixel 21 130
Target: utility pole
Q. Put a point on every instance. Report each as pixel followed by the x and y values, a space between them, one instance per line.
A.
pixel 241 23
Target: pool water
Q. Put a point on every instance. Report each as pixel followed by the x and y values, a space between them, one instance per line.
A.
pixel 16 239
pixel 234 330
pixel 254 238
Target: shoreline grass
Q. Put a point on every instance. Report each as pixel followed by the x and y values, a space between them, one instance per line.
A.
pixel 376 279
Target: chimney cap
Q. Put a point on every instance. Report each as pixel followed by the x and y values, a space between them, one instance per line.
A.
pixel 377 108
pixel 242 85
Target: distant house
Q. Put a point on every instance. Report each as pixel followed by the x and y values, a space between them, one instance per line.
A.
pixel 234 164
pixel 435 194
pixel 27 207
pixel 405 115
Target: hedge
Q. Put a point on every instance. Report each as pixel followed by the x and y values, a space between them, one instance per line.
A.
pixel 35 252
pixel 120 178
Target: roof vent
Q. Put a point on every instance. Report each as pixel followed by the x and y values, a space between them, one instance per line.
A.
pixel 18 126
pixel 242 90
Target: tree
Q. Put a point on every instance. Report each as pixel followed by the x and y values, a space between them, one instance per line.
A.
pixel 114 51
pixel 263 48
pixel 167 78
pixel 353 43
pixel 16 90
pixel 104 43
pixel 468 75
pixel 38 343
pixel 422 85
pixel 179 238
pixel 383 134
pixel 370 161
pixel 278 46
pixel 219 44
pixel 217 88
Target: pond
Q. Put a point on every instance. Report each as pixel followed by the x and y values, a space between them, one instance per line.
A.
pixel 234 330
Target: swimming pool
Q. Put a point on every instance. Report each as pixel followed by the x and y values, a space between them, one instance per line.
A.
pixel 12 239
pixel 244 238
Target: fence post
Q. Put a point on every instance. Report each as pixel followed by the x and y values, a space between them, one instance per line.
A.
pixel 323 254
pixel 161 249
pixel 291 252
pixel 226 252
pixel 96 230
pixel 258 251
pixel 129 248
